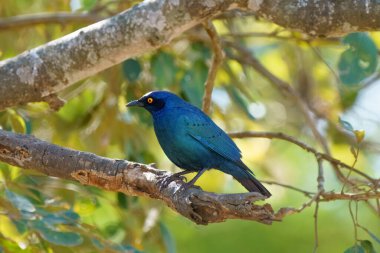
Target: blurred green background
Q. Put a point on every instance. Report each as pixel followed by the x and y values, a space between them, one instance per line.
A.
pixel 336 77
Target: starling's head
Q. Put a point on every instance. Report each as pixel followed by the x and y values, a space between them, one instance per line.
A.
pixel 156 100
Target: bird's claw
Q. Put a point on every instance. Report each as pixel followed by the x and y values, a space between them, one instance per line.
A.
pixel 167 180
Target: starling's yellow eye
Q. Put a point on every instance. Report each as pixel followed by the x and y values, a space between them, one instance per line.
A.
pixel 149 100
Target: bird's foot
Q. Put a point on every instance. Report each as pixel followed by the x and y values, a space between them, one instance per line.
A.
pixel 177 176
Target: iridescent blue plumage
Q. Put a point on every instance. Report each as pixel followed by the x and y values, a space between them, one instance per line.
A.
pixel 192 141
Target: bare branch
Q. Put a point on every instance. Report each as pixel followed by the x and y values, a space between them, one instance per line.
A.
pixel 316 239
pixel 50 68
pixel 271 135
pixel 323 17
pixel 306 193
pixel 350 196
pixel 47 18
pixel 136 179
pixel 131 178
pixel 217 59
pixel 320 178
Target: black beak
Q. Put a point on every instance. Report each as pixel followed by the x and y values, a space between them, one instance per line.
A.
pixel 135 103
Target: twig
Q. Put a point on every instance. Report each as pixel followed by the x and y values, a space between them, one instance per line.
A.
pixel 350 196
pixel 55 102
pixel 321 190
pixel 356 156
pixel 47 18
pixel 320 178
pixel 247 57
pixel 275 35
pixel 354 221
pixel 319 55
pixel 316 239
pixel 272 135
pixel 217 60
pixel 286 211
pixel 306 193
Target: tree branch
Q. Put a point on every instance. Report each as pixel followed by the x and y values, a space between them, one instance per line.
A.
pixel 324 18
pixel 318 155
pixel 62 18
pixel 217 59
pixel 131 178
pixel 48 69
pixel 28 152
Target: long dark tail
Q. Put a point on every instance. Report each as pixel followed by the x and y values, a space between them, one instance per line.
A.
pixel 246 178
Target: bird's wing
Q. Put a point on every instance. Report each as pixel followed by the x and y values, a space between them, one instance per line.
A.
pixel 205 131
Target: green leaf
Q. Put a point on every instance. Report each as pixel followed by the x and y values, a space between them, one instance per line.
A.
pixel 164 69
pixel 199 51
pixel 98 244
pixel 168 238
pixel 126 248
pixel 131 69
pixel 359 60
pixel 348 97
pixel 68 239
pixel 193 81
pixel 77 108
pixel 66 217
pixel 355 249
pixel 20 202
pixel 368 247
pixel 88 4
pixel 20 225
pixel 122 200
pixel 346 125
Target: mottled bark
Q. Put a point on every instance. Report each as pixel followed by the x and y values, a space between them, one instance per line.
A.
pixel 47 69
pixel 131 178
pixel 322 17
pixel 38 74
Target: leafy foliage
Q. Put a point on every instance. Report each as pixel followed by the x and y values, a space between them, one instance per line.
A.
pixel 359 60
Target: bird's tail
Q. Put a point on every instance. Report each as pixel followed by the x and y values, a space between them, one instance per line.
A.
pixel 246 178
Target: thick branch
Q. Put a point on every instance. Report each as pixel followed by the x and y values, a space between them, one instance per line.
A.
pixel 323 17
pixel 131 178
pixel 48 69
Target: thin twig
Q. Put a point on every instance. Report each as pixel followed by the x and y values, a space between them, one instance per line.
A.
pixel 273 135
pixel 247 57
pixel 316 239
pixel 47 18
pixel 356 155
pixel 320 178
pixel 306 193
pixel 319 55
pixel 353 220
pixel 217 60
pixel 350 196
pixel 275 35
